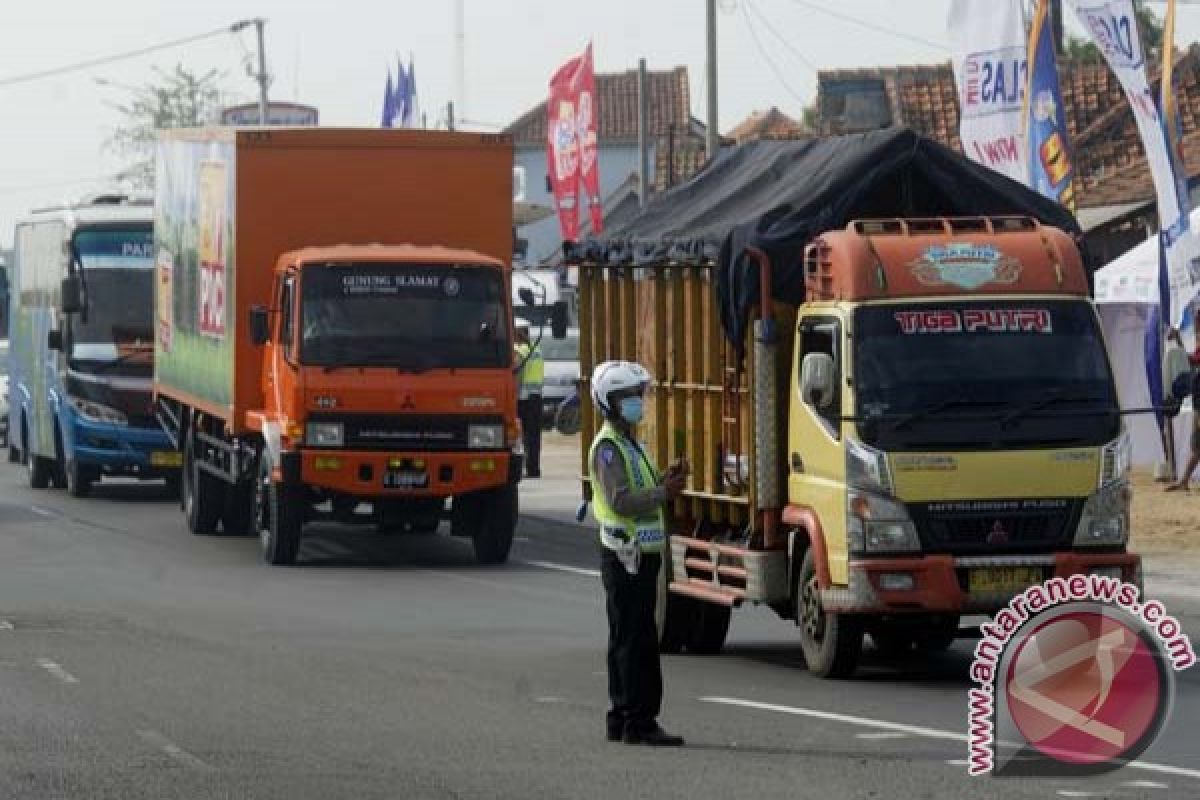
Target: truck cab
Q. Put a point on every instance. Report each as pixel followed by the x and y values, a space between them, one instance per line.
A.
pixel 82 346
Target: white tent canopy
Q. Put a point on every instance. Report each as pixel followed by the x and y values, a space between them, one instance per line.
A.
pixel 1126 291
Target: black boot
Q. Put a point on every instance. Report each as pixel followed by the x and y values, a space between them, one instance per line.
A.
pixel 615 724
pixel 653 736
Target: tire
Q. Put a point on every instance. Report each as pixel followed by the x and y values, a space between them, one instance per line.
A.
pixel 678 616
pixel 58 478
pixel 80 478
pixel 202 495
pixel 41 470
pixel 493 534
pixel 14 454
pixel 938 635
pixel 892 641
pixel 710 626
pixel 832 643
pixel 278 516
pixel 566 419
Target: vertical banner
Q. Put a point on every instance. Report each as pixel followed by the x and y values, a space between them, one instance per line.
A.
pixel 1048 149
pixel 571 144
pixel 211 250
pixel 991 71
pixel 1112 25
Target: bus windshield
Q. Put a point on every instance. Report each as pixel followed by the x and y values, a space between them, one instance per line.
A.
pixel 119 279
pixel 983 375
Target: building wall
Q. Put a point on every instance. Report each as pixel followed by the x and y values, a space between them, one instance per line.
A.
pixel 617 162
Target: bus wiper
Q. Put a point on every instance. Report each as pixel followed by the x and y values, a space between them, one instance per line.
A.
pixel 938 407
pixel 1053 397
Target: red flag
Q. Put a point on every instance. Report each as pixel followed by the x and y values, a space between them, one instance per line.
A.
pixel 571 144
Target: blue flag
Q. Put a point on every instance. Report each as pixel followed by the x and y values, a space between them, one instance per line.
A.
pixel 402 99
pixel 410 111
pixel 1048 152
pixel 389 103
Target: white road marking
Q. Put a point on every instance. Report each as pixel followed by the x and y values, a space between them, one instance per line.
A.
pixel 157 740
pixel 916 730
pixel 590 573
pixel 548 699
pixel 958 762
pixel 520 538
pixel 1145 785
pixel 56 670
pixel 1077 793
pixel 5 625
pixel 882 735
pixel 42 512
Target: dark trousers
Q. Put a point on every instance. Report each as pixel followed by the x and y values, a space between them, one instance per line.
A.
pixel 634 674
pixel 530 412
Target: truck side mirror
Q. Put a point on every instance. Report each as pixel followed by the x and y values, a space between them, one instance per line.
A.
pixel 54 340
pixel 71 295
pixel 526 295
pixel 260 325
pixel 816 380
pixel 558 320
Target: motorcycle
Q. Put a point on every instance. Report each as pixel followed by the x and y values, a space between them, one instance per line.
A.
pixel 566 416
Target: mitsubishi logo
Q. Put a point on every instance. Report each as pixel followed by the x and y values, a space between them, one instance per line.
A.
pixel 997 535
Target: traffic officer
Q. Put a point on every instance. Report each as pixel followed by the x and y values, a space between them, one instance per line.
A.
pixel 629 496
pixel 531 373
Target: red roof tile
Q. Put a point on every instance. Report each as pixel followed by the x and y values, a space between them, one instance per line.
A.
pixel 769 124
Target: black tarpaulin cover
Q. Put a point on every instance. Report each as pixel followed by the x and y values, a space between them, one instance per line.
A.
pixel 778 195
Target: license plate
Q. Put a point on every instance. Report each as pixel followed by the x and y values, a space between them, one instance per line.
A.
pixel 404 479
pixel 166 458
pixel 1002 579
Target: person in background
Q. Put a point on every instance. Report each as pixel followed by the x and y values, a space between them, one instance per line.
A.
pixel 531 370
pixel 1179 364
pixel 628 499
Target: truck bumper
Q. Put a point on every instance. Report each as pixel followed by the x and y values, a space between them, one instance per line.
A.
pixel 123 450
pixel 361 473
pixel 941 583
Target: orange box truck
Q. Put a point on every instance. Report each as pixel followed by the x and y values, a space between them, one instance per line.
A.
pixel 334 328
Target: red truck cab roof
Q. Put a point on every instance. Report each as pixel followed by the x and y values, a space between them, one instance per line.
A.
pixel 898 258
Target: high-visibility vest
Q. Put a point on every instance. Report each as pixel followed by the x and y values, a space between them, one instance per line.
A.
pixel 533 373
pixel 615 530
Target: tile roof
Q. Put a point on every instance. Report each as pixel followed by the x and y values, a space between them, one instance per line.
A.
pixel 669 103
pixel 688 154
pixel 769 124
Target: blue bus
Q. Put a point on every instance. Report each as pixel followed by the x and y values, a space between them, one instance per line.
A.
pixel 81 346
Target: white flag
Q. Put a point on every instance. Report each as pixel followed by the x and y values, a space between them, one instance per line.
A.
pixel 1112 25
pixel 990 68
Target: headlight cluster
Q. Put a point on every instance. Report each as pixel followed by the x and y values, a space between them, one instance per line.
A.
pixel 98 412
pixel 485 437
pixel 1116 459
pixel 1105 518
pixel 324 434
pixel 878 524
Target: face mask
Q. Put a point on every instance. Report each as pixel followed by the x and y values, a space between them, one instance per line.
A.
pixel 631 410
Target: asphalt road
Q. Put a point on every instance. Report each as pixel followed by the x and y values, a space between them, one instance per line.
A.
pixel 139 661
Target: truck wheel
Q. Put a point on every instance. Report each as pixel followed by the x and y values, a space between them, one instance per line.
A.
pixel 201 495
pixel 892 640
pixel 938 635
pixel 831 642
pixel 279 517
pixel 41 470
pixel 672 612
pixel 493 535
pixel 80 478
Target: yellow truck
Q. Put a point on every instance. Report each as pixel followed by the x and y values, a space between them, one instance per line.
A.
pixel 931 430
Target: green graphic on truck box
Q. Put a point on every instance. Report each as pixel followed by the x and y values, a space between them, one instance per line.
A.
pixel 193 237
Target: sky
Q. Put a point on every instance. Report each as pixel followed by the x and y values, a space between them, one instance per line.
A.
pixel 334 55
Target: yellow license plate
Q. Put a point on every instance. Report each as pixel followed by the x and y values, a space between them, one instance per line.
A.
pixel 1002 579
pixel 166 458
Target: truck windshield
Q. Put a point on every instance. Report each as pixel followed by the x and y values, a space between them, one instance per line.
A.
pixel 972 376
pixel 402 315
pixel 118 274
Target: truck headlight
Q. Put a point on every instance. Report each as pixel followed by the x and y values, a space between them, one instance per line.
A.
pixel 98 412
pixel 485 437
pixel 324 434
pixel 867 468
pixel 1115 460
pixel 1105 518
pixel 878 524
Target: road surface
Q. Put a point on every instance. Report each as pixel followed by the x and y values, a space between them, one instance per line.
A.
pixel 139 661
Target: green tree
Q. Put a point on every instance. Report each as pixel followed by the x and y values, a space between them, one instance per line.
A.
pixel 177 99
pixel 1149 25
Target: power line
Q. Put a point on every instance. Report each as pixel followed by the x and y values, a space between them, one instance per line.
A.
pixel 13 80
pixel 767 56
pixel 781 38
pixel 862 23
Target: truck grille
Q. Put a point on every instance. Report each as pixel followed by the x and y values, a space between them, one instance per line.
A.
pixel 421 432
pixel 996 526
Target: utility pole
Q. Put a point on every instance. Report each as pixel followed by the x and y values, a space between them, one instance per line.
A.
pixel 460 57
pixel 712 138
pixel 261 76
pixel 643 149
pixel 450 116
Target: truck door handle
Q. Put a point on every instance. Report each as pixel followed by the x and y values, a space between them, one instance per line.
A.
pixel 797 463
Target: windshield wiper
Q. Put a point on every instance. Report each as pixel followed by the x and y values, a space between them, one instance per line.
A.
pixel 938 407
pixel 105 366
pixel 1053 397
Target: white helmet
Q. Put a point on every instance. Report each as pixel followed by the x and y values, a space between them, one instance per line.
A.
pixel 613 376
